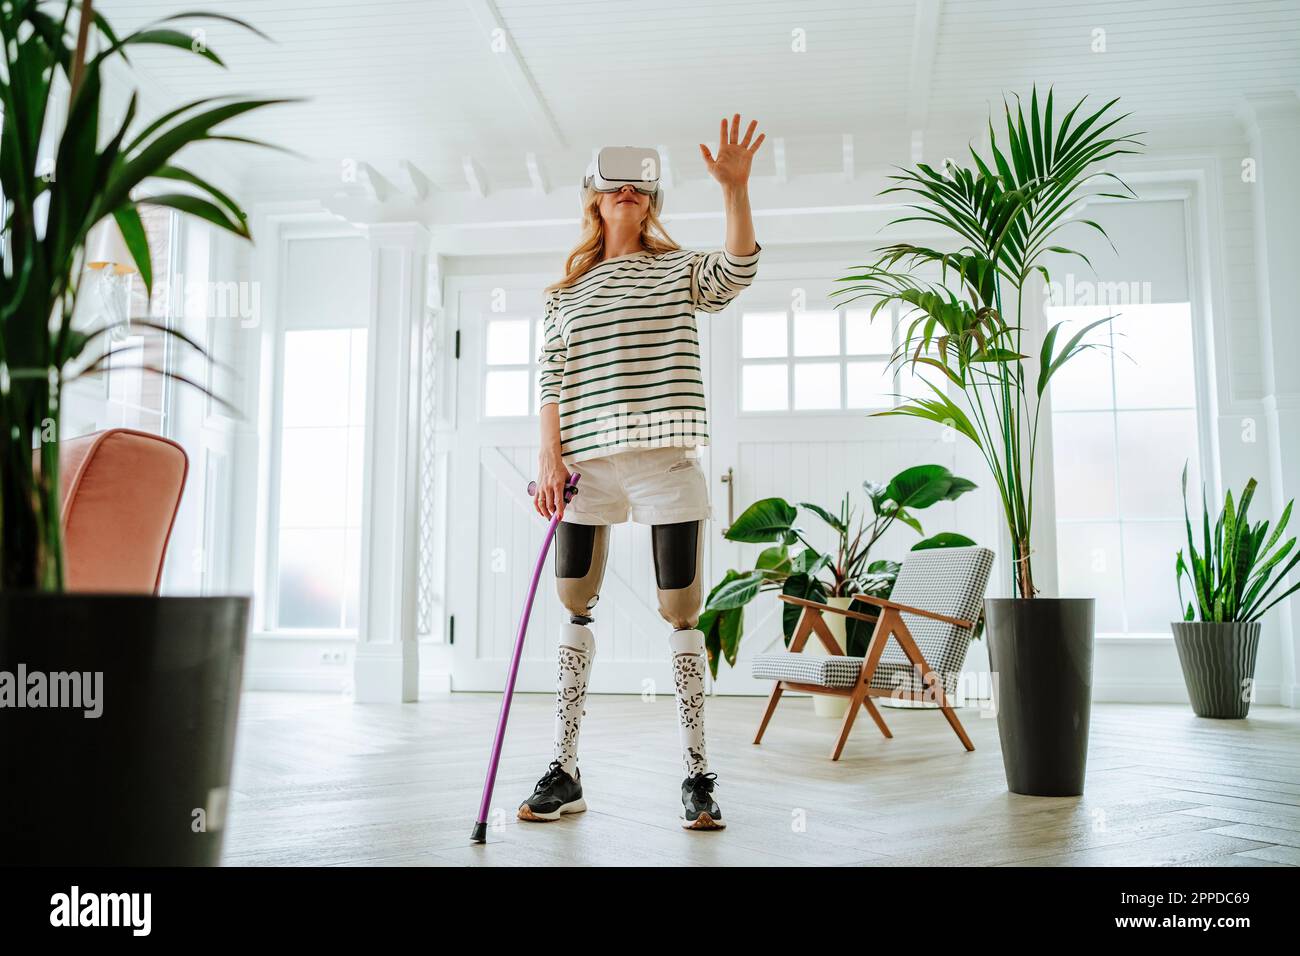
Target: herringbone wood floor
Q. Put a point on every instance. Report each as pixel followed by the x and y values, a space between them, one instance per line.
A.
pixel 319 780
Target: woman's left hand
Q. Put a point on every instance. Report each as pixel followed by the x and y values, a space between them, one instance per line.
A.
pixel 731 166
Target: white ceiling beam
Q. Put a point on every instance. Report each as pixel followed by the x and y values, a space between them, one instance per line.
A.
pixel 377 187
pixel 846 146
pixel 925 42
pixel 502 44
pixel 475 176
pixel 536 175
pixel 419 183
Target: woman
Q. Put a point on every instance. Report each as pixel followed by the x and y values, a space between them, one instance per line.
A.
pixel 623 405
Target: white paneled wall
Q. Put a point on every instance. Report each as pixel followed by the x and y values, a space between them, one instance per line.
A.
pixel 1240 297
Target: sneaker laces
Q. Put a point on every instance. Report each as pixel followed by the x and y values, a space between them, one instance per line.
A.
pixel 552 774
pixel 702 785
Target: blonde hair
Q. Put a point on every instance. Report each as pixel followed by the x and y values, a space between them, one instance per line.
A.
pixel 591 247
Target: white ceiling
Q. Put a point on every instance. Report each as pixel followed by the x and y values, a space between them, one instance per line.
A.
pixel 419 80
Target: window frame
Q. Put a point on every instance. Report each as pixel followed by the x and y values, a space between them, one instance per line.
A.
pixel 1195 186
pixel 790 360
pixel 268 547
pixel 536 330
pixel 272 619
pixel 167 272
pixel 1113 411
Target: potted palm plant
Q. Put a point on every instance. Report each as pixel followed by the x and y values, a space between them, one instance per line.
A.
pixel 143 782
pixel 815 575
pixel 1231 578
pixel 966 330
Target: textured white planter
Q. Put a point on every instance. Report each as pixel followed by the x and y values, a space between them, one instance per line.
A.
pixel 829 705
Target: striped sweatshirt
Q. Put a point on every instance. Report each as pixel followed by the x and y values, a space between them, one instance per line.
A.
pixel 621 351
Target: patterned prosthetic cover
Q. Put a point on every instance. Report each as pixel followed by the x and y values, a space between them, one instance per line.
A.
pixel 688 674
pixel 576 651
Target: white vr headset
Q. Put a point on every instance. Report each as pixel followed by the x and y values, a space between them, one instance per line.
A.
pixel 617 166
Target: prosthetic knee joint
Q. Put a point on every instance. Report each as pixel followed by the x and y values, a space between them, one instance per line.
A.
pixel 580 553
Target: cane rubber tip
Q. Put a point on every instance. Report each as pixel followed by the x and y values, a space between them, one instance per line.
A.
pixel 480 833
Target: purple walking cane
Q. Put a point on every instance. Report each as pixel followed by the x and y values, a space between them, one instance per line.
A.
pixel 480 826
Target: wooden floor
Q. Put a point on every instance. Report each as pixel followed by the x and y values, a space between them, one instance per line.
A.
pixel 321 781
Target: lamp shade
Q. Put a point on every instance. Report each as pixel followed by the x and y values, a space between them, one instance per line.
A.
pixel 106 247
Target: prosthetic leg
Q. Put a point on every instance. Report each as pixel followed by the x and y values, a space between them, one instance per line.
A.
pixel 679 562
pixel 679 556
pixel 580 553
pixel 480 826
pixel 579 565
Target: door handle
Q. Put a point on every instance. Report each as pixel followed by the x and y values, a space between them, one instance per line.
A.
pixel 729 479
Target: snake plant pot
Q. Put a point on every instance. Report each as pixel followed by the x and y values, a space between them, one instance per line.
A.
pixel 1040 653
pixel 1218 660
pixel 830 705
pixel 118 728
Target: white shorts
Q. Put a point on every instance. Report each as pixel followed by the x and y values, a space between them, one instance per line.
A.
pixel 654 485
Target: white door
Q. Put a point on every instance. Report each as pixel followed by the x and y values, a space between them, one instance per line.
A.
pixel 495 534
pixel 789 409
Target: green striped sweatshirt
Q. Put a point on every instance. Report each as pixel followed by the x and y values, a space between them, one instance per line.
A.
pixel 621 351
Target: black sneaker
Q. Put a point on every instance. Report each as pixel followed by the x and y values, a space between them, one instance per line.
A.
pixel 555 793
pixel 699 810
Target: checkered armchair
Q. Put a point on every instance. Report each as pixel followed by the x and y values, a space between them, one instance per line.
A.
pixel 950 581
pixel 917 647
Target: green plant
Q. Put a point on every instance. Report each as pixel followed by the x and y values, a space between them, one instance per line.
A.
pixel 1004 212
pixel 94 172
pixel 814 575
pixel 1234 574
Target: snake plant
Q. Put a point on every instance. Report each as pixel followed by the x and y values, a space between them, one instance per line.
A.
pixel 1237 568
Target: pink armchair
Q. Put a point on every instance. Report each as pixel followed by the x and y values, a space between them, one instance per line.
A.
pixel 120 491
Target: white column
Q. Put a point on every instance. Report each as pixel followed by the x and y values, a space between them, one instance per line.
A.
pixel 1273 123
pixel 387 659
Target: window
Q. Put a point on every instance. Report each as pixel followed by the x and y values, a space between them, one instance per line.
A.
pixel 510 379
pixel 820 361
pixel 1124 421
pixel 322 447
pixel 140 396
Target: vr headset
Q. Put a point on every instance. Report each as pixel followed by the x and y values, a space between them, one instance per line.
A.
pixel 617 166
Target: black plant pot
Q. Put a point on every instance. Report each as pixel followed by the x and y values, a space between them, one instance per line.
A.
pixel 145 782
pixel 1218 661
pixel 1040 652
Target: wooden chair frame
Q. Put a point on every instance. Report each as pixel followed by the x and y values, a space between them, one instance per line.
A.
pixel 889 623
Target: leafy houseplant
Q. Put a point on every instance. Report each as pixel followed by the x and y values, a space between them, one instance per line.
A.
pixel 1003 213
pixel 814 575
pixel 176 659
pixel 1231 578
pixel 94 173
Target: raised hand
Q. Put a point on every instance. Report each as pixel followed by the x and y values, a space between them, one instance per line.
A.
pixel 731 166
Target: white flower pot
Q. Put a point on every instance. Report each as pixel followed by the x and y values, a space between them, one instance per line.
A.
pixel 830 705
